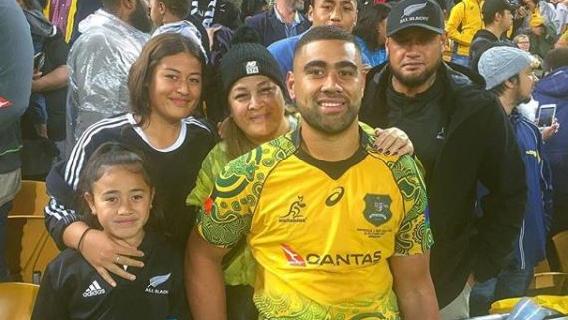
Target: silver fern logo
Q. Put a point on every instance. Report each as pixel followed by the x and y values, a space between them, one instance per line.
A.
pixel 413 8
pixel 155 282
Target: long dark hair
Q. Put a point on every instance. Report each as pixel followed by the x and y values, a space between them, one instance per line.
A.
pixel 141 72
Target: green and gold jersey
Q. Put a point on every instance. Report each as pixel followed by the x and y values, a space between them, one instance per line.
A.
pixel 321 232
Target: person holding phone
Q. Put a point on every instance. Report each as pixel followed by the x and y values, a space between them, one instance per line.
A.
pixel 553 89
pixel 546 121
pixel 509 75
pixel 545 117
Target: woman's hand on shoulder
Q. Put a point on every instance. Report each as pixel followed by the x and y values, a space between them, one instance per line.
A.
pixel 393 141
pixel 107 256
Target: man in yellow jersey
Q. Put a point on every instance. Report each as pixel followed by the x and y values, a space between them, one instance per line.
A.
pixel 338 230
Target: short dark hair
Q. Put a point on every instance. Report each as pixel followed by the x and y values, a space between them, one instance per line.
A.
pixel 500 88
pixel 312 3
pixel 555 59
pixel 367 20
pixel 153 52
pixel 179 8
pixel 489 15
pixel 325 33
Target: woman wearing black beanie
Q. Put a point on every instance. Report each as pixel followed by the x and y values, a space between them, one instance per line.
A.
pixel 253 91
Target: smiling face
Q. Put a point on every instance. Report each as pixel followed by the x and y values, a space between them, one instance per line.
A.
pixel 175 88
pixel 414 55
pixel 257 107
pixel 121 200
pixel 327 84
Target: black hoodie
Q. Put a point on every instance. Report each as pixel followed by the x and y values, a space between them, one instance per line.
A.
pixel 477 145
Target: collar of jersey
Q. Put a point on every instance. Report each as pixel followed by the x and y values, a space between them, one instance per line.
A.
pixel 179 141
pixel 365 139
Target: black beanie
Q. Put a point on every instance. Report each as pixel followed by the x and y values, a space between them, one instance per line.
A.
pixel 249 59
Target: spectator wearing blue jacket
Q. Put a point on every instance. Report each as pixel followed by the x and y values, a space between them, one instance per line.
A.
pixel 509 75
pixel 553 89
pixel 339 13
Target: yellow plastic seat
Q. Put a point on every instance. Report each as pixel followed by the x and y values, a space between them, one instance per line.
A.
pixel 29 246
pixel 17 300
pixel 561 245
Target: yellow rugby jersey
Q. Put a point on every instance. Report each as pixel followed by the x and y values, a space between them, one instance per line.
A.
pixel 321 232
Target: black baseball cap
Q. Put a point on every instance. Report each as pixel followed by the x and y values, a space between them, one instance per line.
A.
pixel 491 7
pixel 425 14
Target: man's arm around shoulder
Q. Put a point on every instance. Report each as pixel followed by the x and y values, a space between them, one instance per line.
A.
pixel 204 281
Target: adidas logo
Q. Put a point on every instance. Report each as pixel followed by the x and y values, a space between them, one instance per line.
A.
pixel 93 290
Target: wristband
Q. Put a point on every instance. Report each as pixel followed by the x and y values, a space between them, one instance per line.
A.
pixel 82 237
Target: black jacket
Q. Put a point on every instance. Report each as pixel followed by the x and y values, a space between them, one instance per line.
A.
pixel 477 145
pixel 173 172
pixel 482 41
pixel 270 28
pixel 72 289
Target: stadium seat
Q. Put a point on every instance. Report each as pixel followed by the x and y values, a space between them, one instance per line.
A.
pixel 17 300
pixel 561 245
pixel 30 248
pixel 553 283
pixel 549 283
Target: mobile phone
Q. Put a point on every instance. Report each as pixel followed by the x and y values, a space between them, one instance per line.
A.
pixel 39 60
pixel 546 115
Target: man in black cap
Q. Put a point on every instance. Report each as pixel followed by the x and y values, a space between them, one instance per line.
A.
pixel 498 18
pixel 462 137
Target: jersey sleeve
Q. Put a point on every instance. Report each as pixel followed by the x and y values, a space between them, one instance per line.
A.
pixel 62 182
pixel 226 215
pixel 60 210
pixel 414 235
